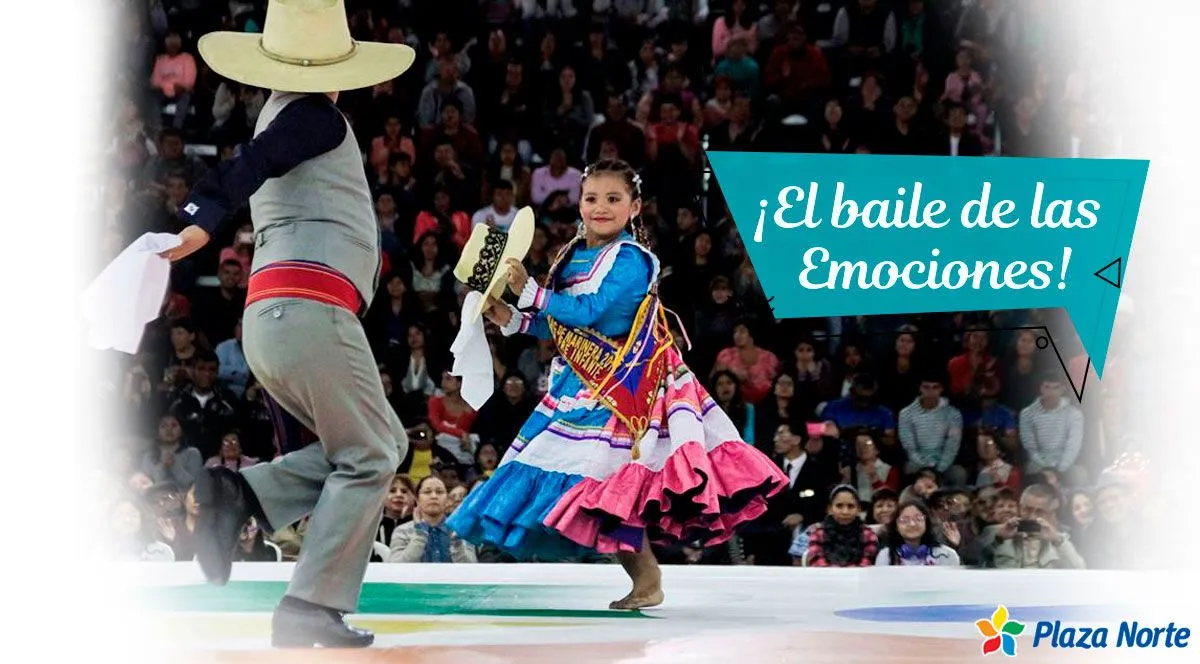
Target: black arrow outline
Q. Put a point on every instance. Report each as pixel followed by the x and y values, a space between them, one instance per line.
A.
pixel 1120 263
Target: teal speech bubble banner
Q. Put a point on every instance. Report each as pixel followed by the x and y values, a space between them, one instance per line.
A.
pixel 839 235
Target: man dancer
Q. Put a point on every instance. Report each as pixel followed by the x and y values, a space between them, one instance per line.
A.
pixel 315 270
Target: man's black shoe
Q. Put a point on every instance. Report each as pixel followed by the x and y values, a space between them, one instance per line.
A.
pixel 301 625
pixel 223 511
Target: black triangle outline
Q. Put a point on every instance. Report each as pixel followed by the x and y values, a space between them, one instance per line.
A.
pixel 1119 262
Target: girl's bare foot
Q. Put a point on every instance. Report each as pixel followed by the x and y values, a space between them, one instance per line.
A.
pixel 647 586
pixel 634 601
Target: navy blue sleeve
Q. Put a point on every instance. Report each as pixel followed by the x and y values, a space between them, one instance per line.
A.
pixel 304 129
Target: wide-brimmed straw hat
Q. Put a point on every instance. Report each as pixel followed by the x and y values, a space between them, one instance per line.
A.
pixel 483 265
pixel 305 47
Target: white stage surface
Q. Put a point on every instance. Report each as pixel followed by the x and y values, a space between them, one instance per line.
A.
pixel 558 614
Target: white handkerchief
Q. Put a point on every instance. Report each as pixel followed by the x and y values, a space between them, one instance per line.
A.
pixel 473 357
pixel 128 294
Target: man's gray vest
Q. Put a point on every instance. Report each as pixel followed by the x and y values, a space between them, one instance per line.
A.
pixel 320 211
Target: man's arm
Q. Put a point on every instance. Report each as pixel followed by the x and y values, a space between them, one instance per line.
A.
pixel 306 128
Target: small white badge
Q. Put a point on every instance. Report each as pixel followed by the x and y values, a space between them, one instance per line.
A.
pixel 191 208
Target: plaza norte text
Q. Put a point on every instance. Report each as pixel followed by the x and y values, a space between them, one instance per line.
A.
pixel 1129 635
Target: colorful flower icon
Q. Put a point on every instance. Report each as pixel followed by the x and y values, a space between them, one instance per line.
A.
pixel 1000 633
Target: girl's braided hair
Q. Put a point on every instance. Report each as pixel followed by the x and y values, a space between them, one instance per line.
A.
pixel 633 182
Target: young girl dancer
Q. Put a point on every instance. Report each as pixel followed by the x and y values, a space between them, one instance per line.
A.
pixel 626 447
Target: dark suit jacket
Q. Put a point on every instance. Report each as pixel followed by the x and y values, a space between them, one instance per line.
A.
pixel 809 494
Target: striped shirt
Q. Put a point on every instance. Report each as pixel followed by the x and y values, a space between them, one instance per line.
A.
pixel 1052 436
pixel 931 436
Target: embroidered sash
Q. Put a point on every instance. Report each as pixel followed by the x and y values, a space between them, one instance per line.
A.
pixel 623 375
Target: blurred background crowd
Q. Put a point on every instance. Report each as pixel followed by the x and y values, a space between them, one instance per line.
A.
pixel 954 438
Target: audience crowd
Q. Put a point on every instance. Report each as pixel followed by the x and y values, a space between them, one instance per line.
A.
pixel 927 439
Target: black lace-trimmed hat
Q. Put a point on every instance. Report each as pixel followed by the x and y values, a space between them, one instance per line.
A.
pixel 481 266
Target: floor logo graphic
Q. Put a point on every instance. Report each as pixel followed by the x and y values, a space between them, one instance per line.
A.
pixel 1000 633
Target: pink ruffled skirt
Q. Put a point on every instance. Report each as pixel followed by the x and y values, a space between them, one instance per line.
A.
pixel 569 484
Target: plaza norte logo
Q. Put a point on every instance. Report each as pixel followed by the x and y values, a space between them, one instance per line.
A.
pixel 1000 634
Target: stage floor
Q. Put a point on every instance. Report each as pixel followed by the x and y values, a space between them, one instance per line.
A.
pixel 558 613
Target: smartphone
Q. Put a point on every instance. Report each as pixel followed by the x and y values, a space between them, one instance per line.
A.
pixel 816 429
pixel 1029 526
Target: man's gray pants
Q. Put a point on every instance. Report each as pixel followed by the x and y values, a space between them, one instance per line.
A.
pixel 314 360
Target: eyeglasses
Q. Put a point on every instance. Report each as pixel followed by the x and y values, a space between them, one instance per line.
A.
pixel 911 521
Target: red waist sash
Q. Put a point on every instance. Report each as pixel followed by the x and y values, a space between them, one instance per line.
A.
pixel 302 279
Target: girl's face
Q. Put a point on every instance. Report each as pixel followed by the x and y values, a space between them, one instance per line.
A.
pixel 566 79
pixel 441 202
pixel 169 430
pixel 844 507
pixel 884 511
pixel 189 502
pixel 395 287
pixel 905 344
pixel 977 341
pixel 725 388
pixel 1003 510
pixel 1112 505
pixel 606 204
pixel 392 127
pixel 668 113
pixel 785 387
pixel 925 486
pixel 646 52
pixel 400 499
pixel 833 112
pixel 1082 510
pixel 703 244
pixel 508 154
pixel 911 523
pixel 429 248
pixel 1025 344
pixel 851 356
pixel 416 338
pixel 721 294
pixel 456 496
pixel 230 447
pixel 865 449
pixel 432 498
pixel 181 338
pixel 488 457
pixel 805 353
pixel 741 336
pixel 988 452
pixel 451 383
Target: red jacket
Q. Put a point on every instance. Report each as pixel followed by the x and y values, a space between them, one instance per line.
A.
pixel 802 75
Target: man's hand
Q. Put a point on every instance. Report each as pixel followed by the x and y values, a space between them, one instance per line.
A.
pixel 192 239
pixel 1049 532
pixel 793 520
pixel 1008 529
